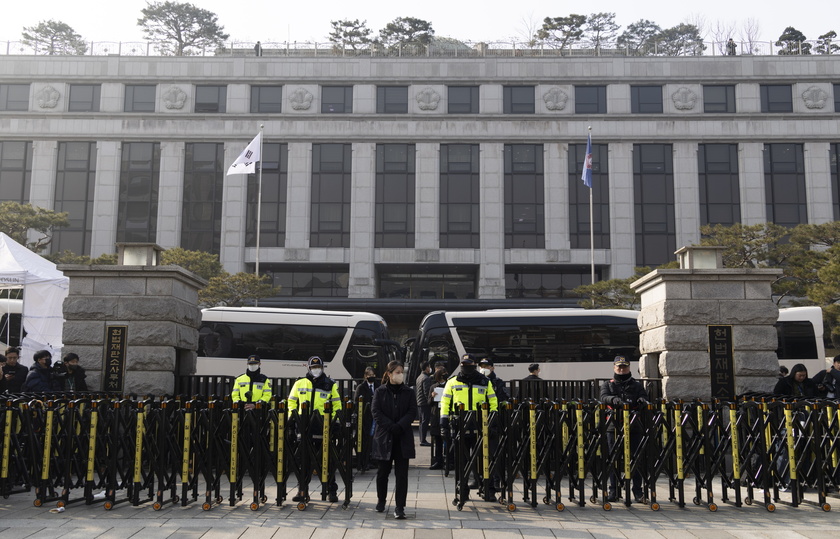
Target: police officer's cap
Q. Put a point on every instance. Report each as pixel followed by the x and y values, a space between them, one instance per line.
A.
pixel 315 361
pixel 468 359
pixel 621 361
pixel 253 359
pixel 485 362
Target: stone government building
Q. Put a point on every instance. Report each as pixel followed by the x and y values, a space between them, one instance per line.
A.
pixel 403 185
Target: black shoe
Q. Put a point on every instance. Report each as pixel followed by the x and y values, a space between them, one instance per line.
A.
pixel 611 497
pixel 299 498
pixel 380 506
pixel 399 513
pixel 333 497
pixel 436 466
pixel 424 443
pixel 638 496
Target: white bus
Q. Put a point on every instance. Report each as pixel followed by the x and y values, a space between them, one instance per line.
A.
pixel 285 338
pixel 575 344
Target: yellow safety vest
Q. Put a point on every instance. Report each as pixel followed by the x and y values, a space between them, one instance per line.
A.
pixel 260 391
pixel 303 391
pixel 472 396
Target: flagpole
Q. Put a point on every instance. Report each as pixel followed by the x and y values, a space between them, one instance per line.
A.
pixel 591 234
pixel 259 213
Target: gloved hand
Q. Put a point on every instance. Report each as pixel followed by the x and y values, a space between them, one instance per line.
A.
pixel 395 428
pixel 444 427
pixel 641 401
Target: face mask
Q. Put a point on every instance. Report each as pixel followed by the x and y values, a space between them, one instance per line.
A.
pixel 485 372
pixel 371 379
pixel 397 378
pixel 622 377
pixel 467 369
pixel 316 372
pixel 253 368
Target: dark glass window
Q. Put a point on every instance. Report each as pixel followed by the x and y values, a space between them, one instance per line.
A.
pixel 84 98
pixel 74 187
pixel 552 283
pixel 459 196
pixel 646 99
pixel 720 195
pixel 336 99
pixel 462 99
pixel 210 98
pixel 14 97
pixel 15 170
pixel 331 179
pixel 524 197
pixel 784 184
pixel 266 99
pixel 201 217
pixel 834 155
pixel 837 98
pixel 138 202
pixel 140 98
pixel 392 99
pixel 275 159
pixel 270 341
pixel 427 283
pixel 309 281
pixel 776 98
pixel 653 191
pixel 590 99
pixel 519 99
pixel 719 98
pixel 394 195
pixel 579 197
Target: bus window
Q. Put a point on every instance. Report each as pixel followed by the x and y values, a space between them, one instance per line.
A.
pixel 796 340
pixel 269 341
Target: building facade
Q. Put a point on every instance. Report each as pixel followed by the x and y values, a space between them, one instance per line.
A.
pixel 426 180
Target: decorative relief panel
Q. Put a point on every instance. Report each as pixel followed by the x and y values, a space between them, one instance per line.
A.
pixel 814 97
pixel 47 97
pixel 555 99
pixel 428 99
pixel 301 99
pixel 174 98
pixel 684 99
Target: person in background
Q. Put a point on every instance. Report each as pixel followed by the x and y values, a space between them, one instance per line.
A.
pixel 2 378
pixel 40 378
pixel 531 387
pixel 731 48
pixel 486 367
pixel 394 408
pixel 14 374
pixel 69 374
pixel 422 386
pixel 364 391
pixel 258 50
pixel 435 395
pixel 829 379
pixel 783 371
pixel 534 372
pixel 797 384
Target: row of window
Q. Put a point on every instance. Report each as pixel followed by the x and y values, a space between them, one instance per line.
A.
pixel 644 99
pixel 459 194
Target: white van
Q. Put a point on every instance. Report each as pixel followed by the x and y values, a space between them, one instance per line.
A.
pixel 10 320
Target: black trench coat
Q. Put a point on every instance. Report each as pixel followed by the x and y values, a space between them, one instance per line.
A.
pixel 391 408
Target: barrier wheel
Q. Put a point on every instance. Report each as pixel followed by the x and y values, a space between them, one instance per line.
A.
pixel 771 507
pixel 206 506
pixel 607 506
pixel 156 506
pixel 455 502
pixel 38 502
pixel 301 506
pixel 713 507
pixel 748 500
pixel 254 506
pixel 560 506
pixel 511 507
pixel 696 501
pixel 546 500
pixel 593 499
pixel 219 499
pixel 345 506
pixel 826 507
pixel 108 505
pixel 263 498
pixel 460 507
pixel 654 506
pixel 176 499
pixel 60 503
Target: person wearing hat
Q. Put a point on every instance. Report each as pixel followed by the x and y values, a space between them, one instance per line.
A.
pixel 472 389
pixel 486 367
pixel 253 386
pixel 316 389
pixel 620 390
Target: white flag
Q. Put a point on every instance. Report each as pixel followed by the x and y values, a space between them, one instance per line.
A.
pixel 246 162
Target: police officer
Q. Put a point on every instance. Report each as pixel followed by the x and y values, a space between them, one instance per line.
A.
pixel 620 390
pixel 317 389
pixel 253 386
pixel 486 367
pixel 472 389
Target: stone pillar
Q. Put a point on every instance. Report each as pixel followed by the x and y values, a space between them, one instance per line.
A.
pixel 678 305
pixel 159 307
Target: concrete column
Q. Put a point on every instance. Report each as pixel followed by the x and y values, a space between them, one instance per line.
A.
pixel 557 196
pixel 111 97
pixel 42 184
pixel 299 196
pixel 427 197
pixel 622 220
pixel 491 277
pixel 686 193
pixel 170 194
pixel 751 167
pixel 362 221
pixel 234 210
pixel 817 191
pixel 106 198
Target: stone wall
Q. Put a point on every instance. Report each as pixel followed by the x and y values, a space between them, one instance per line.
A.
pixel 159 306
pixel 677 307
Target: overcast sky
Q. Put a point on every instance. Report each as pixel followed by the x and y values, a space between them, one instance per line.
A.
pixel 251 20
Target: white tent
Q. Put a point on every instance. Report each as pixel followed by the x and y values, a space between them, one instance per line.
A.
pixel 44 291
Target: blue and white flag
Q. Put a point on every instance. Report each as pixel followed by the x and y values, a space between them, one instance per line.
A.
pixel 246 162
pixel 587 164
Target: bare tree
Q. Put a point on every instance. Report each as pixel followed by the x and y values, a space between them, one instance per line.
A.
pixel 750 31
pixel 721 31
pixel 528 28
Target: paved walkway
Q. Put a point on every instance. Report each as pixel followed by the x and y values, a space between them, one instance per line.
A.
pixel 430 516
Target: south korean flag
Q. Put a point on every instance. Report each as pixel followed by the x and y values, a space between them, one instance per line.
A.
pixel 246 163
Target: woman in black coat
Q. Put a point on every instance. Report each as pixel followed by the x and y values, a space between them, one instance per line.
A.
pixel 796 384
pixel 394 408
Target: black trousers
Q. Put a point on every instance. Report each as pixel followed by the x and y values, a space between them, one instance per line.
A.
pixel 635 439
pixel 400 466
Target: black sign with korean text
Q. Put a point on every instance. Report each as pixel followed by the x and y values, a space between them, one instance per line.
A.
pixel 116 338
pixel 722 362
